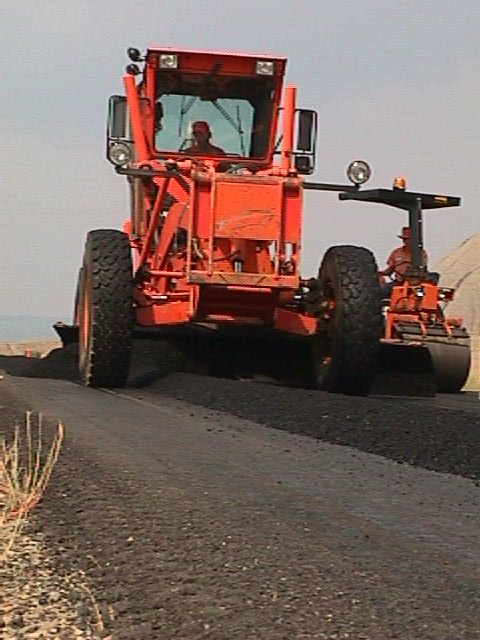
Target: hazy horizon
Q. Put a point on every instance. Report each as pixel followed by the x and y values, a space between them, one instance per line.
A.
pixel 18 328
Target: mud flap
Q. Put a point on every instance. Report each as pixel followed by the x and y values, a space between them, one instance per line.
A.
pixel 68 333
pixel 405 369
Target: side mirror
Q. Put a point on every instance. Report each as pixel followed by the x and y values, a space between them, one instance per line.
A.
pixel 306 141
pixel 117 118
pixel 119 146
pixel 304 165
pixel 307 130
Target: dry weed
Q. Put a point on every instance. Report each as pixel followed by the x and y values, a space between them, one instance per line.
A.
pixel 26 464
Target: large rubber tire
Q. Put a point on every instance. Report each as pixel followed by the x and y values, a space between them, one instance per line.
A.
pixel 106 309
pixel 349 327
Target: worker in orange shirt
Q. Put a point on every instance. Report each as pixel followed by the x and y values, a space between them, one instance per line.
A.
pixel 398 264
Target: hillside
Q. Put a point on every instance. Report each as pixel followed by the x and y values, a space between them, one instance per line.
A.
pixel 460 269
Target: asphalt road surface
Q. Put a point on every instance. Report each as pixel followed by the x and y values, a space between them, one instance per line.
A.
pixel 208 508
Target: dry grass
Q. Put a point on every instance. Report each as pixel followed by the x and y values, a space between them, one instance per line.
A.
pixel 26 464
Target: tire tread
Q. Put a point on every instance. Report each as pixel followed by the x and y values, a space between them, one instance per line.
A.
pixel 108 256
pixel 361 318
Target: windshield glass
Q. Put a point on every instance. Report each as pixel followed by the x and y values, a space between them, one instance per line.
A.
pixel 201 115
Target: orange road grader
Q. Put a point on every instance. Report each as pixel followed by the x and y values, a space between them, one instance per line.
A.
pixel 210 255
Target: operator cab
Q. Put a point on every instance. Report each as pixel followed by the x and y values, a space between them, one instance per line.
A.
pixel 236 99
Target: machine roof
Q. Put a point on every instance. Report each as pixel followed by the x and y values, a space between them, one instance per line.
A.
pixel 402 199
pixel 233 54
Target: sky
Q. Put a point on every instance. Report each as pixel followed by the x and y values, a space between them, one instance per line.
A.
pixel 395 82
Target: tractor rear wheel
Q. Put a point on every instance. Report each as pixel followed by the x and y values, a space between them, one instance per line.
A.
pixel 347 342
pixel 105 309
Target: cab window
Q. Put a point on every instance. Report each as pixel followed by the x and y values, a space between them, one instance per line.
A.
pixel 237 110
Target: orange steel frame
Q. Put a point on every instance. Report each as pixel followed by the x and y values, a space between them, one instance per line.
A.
pixel 407 306
pixel 417 299
pixel 252 220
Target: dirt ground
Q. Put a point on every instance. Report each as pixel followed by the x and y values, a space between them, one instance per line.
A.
pixel 158 554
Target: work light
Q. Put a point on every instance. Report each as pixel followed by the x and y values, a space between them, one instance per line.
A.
pixel 358 172
pixel 168 61
pixel 134 54
pixel 264 68
pixel 119 153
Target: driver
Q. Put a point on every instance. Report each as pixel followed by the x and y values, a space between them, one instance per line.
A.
pixel 201 141
pixel 398 263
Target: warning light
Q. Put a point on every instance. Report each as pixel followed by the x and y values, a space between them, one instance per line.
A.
pixel 400 183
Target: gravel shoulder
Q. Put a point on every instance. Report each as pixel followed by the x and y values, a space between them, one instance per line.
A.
pixel 40 599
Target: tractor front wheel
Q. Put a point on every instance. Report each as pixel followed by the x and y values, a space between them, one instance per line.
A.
pixel 105 310
pixel 347 342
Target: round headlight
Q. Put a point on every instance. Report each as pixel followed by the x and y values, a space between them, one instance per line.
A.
pixel 119 153
pixel 358 172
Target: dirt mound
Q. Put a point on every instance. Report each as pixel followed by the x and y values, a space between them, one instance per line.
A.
pixel 407 431
pixel 151 359
pixel 154 358
pixel 461 269
pixel 60 363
